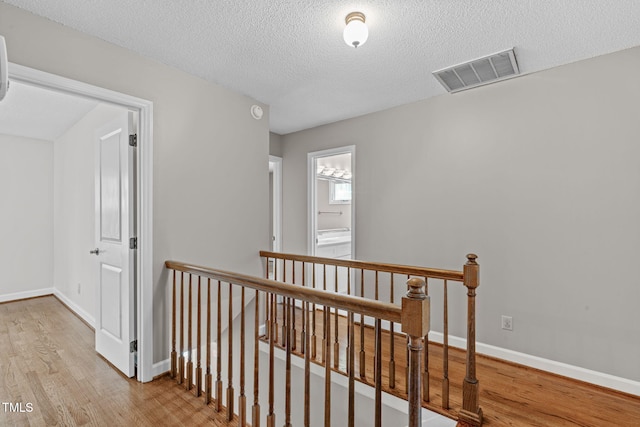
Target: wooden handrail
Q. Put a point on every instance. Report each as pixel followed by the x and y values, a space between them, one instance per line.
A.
pixel 434 273
pixel 378 309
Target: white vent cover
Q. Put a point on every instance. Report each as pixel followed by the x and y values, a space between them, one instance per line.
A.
pixel 481 71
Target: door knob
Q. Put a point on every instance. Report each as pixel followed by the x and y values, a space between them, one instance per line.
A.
pixel 96 251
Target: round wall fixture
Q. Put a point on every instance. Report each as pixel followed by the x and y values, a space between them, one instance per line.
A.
pixel 256 112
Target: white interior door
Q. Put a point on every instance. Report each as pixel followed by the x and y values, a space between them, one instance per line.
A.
pixel 114 226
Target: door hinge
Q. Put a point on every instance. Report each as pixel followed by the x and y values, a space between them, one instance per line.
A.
pixel 133 346
pixel 133 243
pixel 133 140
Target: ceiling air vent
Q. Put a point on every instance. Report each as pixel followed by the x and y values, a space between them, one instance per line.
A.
pixel 481 71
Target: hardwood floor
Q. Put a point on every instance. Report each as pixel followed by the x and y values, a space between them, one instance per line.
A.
pixel 47 358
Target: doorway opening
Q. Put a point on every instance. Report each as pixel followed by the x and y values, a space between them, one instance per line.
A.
pixel 143 256
pixel 331 178
pixel 275 209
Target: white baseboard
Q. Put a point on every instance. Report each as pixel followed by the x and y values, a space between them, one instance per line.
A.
pixel 26 294
pixel 75 308
pixel 594 377
pixel 161 367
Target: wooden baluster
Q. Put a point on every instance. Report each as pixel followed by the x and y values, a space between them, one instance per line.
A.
pixel 351 363
pixel 336 342
pixel 207 377
pixel 267 323
pixel 230 399
pixel 198 382
pixel 425 373
pixel 303 334
pixel 190 349
pixel 445 350
pixel 255 409
pixel 181 357
pixel 378 373
pixel 471 412
pixel 274 308
pixel 327 369
pixel 392 345
pixel 284 324
pixel 406 366
pixel 294 333
pixel 271 416
pixel 287 397
pixel 174 356
pixel 325 336
pixel 363 372
pixel 307 369
pixel 349 328
pixel 375 362
pixel 313 320
pixel 242 400
pixel 219 352
pixel 415 323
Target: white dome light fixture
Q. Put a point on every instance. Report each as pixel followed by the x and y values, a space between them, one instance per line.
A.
pixel 356 32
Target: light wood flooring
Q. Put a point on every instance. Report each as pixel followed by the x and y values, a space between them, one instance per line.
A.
pixel 47 358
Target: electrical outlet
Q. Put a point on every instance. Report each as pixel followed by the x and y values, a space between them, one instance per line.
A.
pixel 507 323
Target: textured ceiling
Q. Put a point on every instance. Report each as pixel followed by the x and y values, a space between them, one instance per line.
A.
pixel 290 53
pixel 39 113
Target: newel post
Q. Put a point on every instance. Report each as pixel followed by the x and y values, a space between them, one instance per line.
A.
pixel 471 412
pixel 415 323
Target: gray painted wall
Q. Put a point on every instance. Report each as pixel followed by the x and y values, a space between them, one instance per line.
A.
pixel 538 175
pixel 210 155
pixel 275 144
pixel 26 215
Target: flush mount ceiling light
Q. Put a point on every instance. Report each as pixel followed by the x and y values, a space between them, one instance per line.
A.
pixel 356 32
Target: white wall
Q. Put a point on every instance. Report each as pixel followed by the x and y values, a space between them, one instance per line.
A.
pixel 203 135
pixel 538 175
pixel 26 216
pixel 74 207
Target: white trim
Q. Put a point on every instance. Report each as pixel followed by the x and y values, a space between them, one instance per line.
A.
pixel 75 308
pixel 559 368
pixel 160 368
pixel 26 294
pixel 276 163
pixel 144 307
pixel 312 220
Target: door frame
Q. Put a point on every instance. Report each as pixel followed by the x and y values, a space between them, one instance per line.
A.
pixel 275 165
pixel 312 224
pixel 144 211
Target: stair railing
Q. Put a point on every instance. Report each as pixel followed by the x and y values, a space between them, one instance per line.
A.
pixel 187 279
pixel 378 282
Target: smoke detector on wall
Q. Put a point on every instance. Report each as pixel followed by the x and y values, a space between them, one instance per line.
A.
pixel 478 72
pixel 256 112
